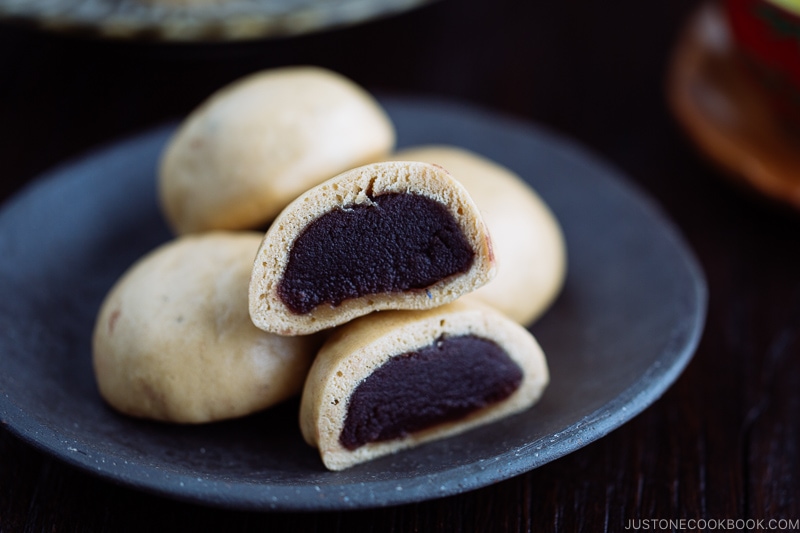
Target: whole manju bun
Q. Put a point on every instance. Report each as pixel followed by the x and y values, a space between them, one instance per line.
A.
pixel 255 145
pixel 173 340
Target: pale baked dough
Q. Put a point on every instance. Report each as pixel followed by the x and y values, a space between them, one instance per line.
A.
pixel 255 145
pixel 527 238
pixel 359 348
pixel 173 340
pixel 357 187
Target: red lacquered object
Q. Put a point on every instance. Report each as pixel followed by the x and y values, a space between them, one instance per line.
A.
pixel 730 116
pixel 767 37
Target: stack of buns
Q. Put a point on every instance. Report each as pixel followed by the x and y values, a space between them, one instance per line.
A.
pixel 390 289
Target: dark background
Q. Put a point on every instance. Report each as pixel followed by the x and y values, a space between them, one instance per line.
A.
pixel 723 441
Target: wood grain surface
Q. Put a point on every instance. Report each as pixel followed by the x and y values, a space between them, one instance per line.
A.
pixel 721 444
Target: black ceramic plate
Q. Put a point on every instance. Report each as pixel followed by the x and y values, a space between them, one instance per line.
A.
pixel 623 329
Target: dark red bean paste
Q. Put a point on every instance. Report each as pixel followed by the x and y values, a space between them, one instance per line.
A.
pixel 417 390
pixel 400 242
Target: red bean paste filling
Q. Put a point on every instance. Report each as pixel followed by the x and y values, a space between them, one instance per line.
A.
pixel 400 242
pixel 417 390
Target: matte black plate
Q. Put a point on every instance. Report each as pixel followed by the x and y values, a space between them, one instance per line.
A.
pixel 625 326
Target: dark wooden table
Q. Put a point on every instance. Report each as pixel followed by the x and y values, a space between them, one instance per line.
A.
pixel 721 444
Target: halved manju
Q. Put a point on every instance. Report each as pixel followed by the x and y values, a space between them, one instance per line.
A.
pixel 392 380
pixel 394 235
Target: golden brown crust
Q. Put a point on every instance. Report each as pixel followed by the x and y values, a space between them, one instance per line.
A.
pixel 255 145
pixel 173 340
pixel 527 239
pixel 356 187
pixel 358 348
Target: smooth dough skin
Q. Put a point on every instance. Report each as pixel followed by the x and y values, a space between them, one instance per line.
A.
pixel 393 235
pixel 255 145
pixel 527 238
pixel 392 380
pixel 173 340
